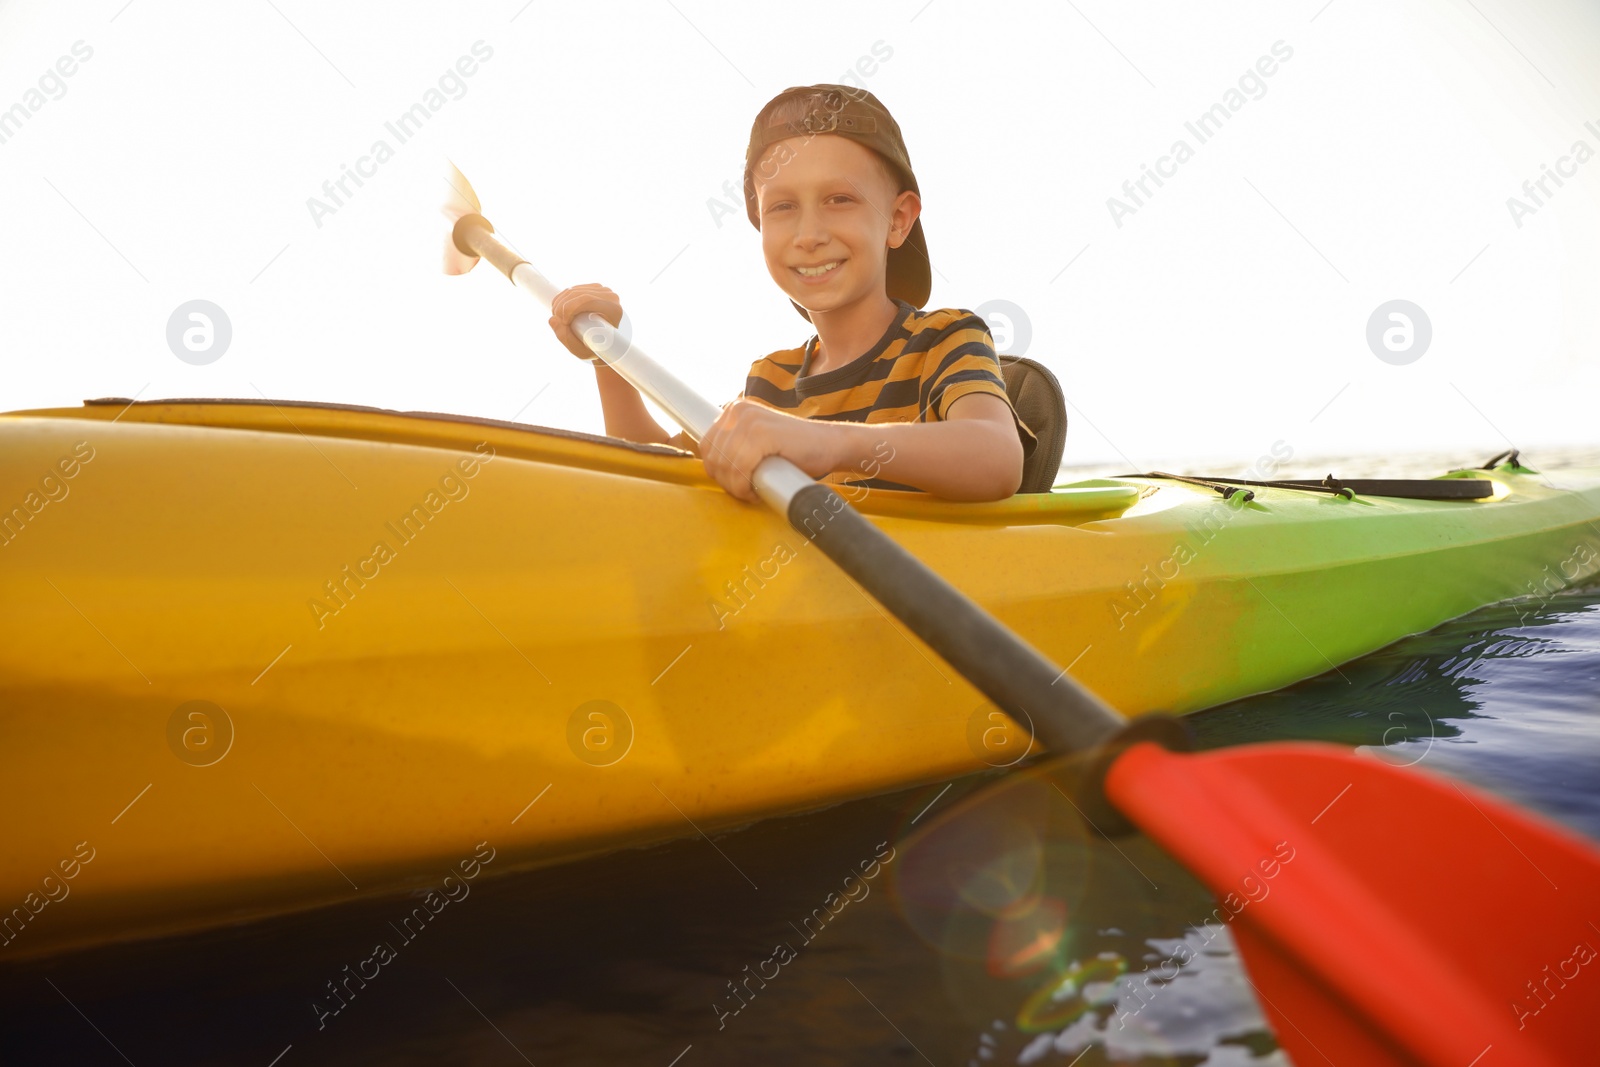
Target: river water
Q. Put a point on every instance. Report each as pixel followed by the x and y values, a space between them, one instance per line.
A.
pixel 657 956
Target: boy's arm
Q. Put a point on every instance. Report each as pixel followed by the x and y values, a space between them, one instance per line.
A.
pixel 623 407
pixel 973 454
pixel 625 413
pixel 628 418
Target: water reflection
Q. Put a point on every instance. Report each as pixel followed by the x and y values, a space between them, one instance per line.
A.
pixel 1505 697
pixel 1021 939
pixel 1068 944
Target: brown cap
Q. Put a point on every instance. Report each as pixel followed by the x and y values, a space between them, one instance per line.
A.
pixel 857 114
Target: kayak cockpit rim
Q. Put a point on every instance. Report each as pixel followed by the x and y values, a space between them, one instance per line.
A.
pixel 1064 505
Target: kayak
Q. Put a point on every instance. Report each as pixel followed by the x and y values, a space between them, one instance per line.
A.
pixel 264 656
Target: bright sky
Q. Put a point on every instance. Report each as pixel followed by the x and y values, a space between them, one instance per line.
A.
pixel 1226 312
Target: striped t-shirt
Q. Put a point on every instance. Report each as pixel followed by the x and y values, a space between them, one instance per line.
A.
pixel 923 363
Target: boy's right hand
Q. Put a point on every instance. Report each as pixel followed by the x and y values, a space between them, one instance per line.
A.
pixel 580 300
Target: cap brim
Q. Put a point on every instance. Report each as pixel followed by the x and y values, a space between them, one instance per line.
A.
pixel 910 274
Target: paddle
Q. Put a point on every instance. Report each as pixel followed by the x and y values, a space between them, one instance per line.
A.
pixel 1417 921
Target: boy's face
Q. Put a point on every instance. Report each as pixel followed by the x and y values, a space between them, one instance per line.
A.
pixel 827 202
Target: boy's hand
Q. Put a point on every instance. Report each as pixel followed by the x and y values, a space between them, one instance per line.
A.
pixel 747 432
pixel 579 300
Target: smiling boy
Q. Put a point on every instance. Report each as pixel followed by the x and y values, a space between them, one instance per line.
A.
pixel 883 395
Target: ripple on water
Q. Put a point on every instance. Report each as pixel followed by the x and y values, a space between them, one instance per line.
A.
pixel 1507 697
pixel 1057 950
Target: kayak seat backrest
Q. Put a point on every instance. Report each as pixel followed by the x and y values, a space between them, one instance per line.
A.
pixel 1036 395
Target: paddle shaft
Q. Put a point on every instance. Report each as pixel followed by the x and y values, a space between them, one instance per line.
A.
pixel 1058 711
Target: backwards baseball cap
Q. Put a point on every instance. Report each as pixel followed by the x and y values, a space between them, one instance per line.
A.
pixel 858 115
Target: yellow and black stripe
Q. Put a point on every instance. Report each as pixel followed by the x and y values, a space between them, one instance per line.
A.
pixel 923 364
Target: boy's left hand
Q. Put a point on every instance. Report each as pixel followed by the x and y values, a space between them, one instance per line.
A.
pixel 747 432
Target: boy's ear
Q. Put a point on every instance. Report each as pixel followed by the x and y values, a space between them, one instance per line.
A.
pixel 907 206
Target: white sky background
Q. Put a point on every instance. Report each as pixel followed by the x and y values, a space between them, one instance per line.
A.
pixel 1223 316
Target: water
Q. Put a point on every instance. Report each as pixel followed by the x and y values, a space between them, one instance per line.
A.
pixel 631 957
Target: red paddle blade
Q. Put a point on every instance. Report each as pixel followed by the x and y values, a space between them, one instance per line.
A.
pixel 1387 916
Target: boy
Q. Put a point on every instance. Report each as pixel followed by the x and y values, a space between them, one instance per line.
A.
pixel 883 395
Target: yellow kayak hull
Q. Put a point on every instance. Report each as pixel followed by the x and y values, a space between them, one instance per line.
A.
pixel 262 657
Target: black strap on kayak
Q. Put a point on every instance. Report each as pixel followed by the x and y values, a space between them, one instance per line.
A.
pixel 1410 488
pixel 1214 484
pixel 1401 488
pixel 1330 484
pixel 1510 455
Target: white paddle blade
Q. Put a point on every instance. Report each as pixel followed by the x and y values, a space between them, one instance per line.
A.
pixel 459 200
